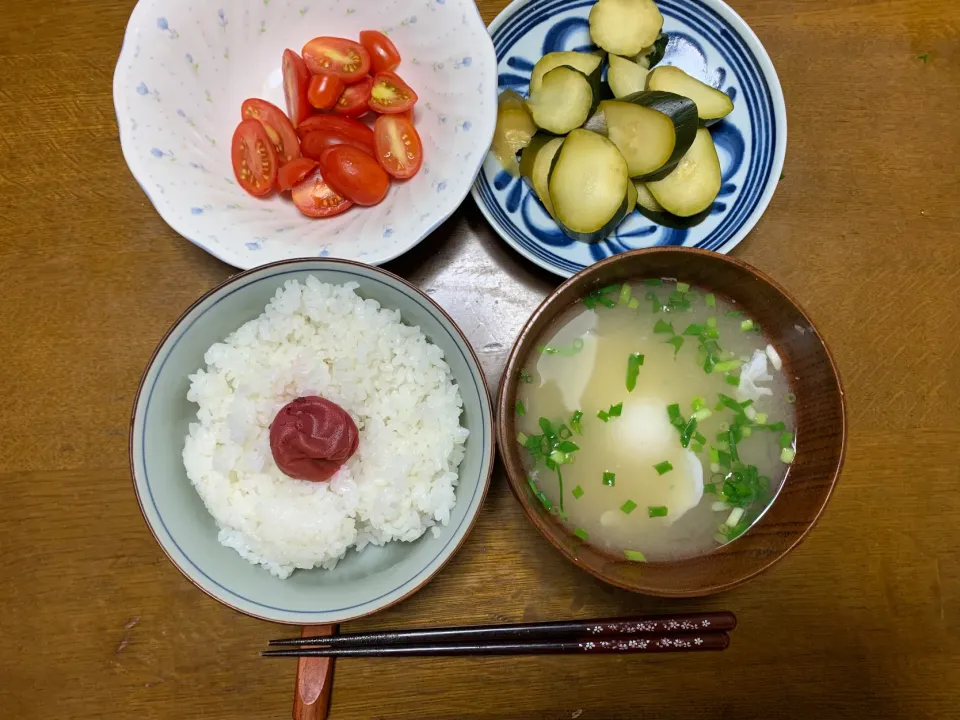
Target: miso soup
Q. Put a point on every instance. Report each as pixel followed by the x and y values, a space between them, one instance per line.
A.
pixel 656 420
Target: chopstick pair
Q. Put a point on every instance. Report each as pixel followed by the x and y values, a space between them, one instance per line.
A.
pixel 687 632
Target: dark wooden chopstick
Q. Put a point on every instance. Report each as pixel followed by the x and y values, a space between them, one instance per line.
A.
pixel 691 642
pixel 529 632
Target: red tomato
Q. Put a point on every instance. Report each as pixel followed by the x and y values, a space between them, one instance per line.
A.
pixel 355 100
pixel 316 144
pixel 323 131
pixel 355 175
pixel 399 150
pixel 293 172
pixel 337 56
pixel 390 94
pixel 296 78
pixel 254 158
pixel 278 127
pixel 324 91
pixel 313 197
pixel 384 55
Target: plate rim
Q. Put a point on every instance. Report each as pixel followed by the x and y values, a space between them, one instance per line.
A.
pixel 769 72
pixel 134 160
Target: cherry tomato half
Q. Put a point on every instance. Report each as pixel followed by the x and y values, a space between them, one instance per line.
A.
pixel 324 91
pixel 293 172
pixel 313 197
pixel 278 127
pixel 337 56
pixel 355 100
pixel 296 79
pixel 399 150
pixel 384 55
pixel 390 94
pixel 354 175
pixel 333 130
pixel 254 158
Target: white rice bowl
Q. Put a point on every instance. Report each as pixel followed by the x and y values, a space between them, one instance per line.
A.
pixel 320 339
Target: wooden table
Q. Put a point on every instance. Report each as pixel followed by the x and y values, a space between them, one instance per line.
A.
pixel 863 620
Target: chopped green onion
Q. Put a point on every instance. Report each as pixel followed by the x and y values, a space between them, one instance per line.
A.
pixel 624 294
pixel 697 403
pixel 791 397
pixel 688 430
pixel 677 343
pixel 747 432
pixel 712 321
pixel 761 418
pixel 700 438
pixel 786 439
pixel 746 403
pixel 693 329
pixel 726 366
pixel 714 467
pixel 546 427
pixel 633 304
pixel 702 414
pixel 575 421
pixel 663 326
pixel 564 433
pixel 609 479
pixel 522 439
pixel 734 313
pixel 568 447
pixel 577 492
pixel 633 370
pixel 696 447
pixel 732 380
pixel 711 301
pixel 746 325
pixel 734 455
pixel 654 282
pixel 710 488
pixel 663 468
pixel 734 517
pixel 711 333
pixel 714 455
pixel 525 377
pixel 602 414
pixel 683 287
pixel 634 556
pixel 581 533
pixel 615 410
pixel 724 460
pixel 776 427
pixel 559 457
pixel 657 511
pixel 628 507
pixel 673 412
pixel 521 410
pixel 787 455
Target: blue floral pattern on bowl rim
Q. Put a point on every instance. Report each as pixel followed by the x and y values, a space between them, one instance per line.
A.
pixel 708 40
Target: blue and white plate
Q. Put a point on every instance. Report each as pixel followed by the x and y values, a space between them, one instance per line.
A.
pixel 709 41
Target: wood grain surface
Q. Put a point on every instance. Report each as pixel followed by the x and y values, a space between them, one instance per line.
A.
pixel 863 620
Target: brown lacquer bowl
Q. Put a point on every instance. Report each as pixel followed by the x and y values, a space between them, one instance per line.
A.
pixel 820 419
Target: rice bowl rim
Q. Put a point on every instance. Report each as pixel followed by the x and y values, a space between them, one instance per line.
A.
pixel 489 451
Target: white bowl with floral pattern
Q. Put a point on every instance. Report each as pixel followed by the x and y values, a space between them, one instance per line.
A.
pixel 186 66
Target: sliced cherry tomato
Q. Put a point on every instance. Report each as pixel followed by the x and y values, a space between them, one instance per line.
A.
pixel 296 80
pixel 314 197
pixel 254 158
pixel 354 174
pixel 399 150
pixel 337 123
pixel 355 100
pixel 293 172
pixel 337 56
pixel 323 131
pixel 384 55
pixel 315 144
pixel 390 94
pixel 324 91
pixel 277 125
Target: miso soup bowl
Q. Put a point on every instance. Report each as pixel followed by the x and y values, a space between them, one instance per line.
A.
pixel 820 421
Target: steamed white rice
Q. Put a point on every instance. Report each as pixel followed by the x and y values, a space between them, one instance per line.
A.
pixel 320 339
